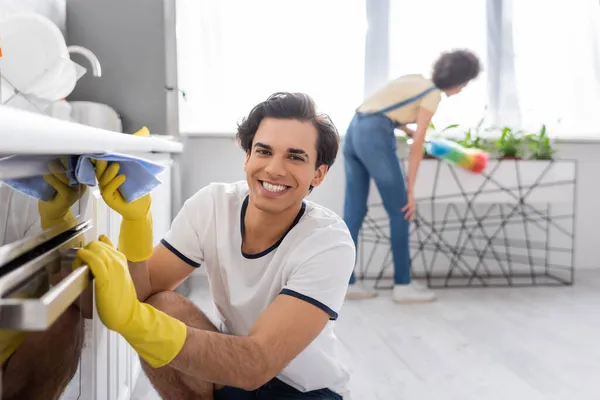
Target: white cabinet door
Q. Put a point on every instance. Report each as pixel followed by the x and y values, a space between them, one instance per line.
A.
pixel 122 369
pixel 110 366
pixel 104 362
pixel 101 336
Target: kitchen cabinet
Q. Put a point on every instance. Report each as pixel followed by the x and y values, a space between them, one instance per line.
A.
pixel 116 364
pixel 138 53
pixel 108 367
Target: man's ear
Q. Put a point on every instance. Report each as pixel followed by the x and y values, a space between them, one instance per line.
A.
pixel 320 173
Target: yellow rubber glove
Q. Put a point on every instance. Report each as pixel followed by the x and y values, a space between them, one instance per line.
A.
pixel 135 235
pixel 142 132
pixel 10 340
pixel 58 209
pixel 156 336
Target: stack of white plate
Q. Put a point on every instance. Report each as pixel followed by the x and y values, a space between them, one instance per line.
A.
pixel 35 60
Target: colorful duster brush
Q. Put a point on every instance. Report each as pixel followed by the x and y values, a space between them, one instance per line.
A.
pixel 474 160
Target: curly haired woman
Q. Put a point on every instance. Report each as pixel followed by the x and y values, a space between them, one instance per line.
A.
pixel 370 152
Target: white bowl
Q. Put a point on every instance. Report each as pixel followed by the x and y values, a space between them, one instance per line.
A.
pixel 33 51
pixel 60 87
pixel 97 115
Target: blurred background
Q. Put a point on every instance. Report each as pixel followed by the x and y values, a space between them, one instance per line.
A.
pixel 513 252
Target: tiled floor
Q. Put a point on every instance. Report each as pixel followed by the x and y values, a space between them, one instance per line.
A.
pixel 479 344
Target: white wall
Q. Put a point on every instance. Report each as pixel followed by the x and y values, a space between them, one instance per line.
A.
pixel 213 158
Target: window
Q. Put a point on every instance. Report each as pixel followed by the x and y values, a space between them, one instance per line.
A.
pixel 235 53
pixel 421 30
pixel 545 66
pixel 557 64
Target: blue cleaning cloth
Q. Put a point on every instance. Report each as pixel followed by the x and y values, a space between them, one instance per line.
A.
pixel 141 176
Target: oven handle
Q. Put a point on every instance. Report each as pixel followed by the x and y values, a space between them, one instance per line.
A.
pixel 40 314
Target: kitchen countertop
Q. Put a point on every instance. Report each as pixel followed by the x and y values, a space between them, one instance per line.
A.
pixel 24 132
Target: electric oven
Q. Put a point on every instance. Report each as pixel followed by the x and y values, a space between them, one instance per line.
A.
pixel 46 306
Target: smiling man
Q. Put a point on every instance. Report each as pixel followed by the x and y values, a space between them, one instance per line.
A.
pixel 278 267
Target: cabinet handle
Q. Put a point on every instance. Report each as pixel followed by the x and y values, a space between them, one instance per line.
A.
pixel 39 314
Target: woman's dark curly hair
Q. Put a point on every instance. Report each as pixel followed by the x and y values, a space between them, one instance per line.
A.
pixel 298 106
pixel 455 68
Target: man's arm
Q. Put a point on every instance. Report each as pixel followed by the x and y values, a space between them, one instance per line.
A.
pixel 140 275
pixel 282 331
pixel 179 253
pixel 163 271
pixel 314 292
pixel 151 269
pixel 313 295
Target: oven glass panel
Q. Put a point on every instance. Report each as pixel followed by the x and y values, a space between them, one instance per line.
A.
pixel 38 202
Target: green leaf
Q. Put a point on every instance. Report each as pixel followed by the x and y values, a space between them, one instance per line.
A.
pixel 450 127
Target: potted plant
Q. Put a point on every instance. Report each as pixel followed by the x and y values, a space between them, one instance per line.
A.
pixel 467 140
pixel 509 145
pixel 471 141
pixel 540 145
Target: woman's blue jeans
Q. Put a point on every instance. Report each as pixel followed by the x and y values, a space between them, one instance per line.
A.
pixel 370 152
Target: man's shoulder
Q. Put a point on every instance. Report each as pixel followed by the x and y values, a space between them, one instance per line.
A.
pixel 322 240
pixel 320 213
pixel 217 199
pixel 320 224
pixel 219 192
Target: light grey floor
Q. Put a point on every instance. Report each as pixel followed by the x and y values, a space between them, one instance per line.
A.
pixel 525 343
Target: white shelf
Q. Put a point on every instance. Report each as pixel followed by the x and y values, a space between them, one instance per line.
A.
pixel 24 132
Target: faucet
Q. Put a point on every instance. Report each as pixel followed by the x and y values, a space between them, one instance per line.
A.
pixel 91 57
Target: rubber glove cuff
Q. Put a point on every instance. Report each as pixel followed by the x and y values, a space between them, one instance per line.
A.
pixel 156 337
pixel 136 238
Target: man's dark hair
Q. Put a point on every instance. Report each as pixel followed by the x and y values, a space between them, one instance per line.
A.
pixel 298 106
pixel 455 68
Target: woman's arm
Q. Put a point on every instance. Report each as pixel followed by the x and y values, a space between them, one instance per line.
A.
pixel 416 150
pixel 409 132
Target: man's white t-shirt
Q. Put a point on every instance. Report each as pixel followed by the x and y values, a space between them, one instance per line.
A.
pixel 312 262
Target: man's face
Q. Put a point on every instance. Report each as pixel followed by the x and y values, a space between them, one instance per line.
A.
pixel 281 165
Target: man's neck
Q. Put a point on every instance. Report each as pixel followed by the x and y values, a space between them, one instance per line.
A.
pixel 262 229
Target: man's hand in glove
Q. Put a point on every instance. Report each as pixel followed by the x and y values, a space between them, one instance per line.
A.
pixel 58 209
pixel 110 181
pixel 135 236
pixel 157 337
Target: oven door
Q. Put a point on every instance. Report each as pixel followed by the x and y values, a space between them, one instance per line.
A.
pixel 40 284
pixel 44 302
